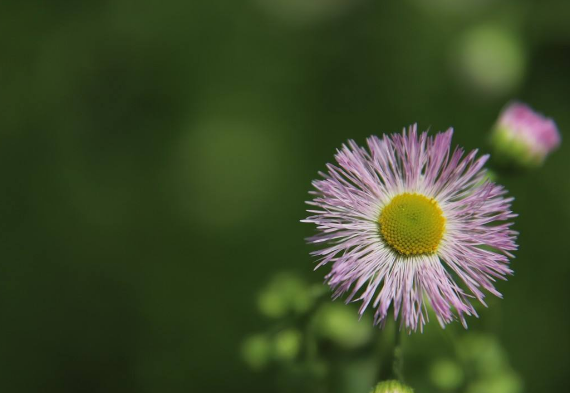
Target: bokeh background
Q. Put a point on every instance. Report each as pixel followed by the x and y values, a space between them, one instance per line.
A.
pixel 155 157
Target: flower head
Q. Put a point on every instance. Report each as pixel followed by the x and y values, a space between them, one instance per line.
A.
pixel 392 386
pixel 405 219
pixel 524 137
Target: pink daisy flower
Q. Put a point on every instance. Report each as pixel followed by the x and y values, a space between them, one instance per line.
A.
pixel 407 223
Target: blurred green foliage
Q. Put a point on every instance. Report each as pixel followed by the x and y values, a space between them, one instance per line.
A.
pixel 446 374
pixel 340 324
pixel 155 157
pixel 287 294
pixel 328 347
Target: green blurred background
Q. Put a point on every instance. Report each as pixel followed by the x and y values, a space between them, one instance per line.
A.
pixel 155 158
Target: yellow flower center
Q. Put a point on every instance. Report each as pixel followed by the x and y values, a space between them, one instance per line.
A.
pixel 412 224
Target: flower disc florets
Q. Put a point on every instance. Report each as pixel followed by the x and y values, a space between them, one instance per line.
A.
pixel 412 224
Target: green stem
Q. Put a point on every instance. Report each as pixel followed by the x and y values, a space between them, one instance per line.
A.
pixel 398 357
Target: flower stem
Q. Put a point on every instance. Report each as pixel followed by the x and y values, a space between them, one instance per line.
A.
pixel 398 357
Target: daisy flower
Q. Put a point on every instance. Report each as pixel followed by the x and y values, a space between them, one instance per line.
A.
pixel 407 223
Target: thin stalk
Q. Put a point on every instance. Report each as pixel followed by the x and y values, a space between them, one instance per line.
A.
pixel 398 357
